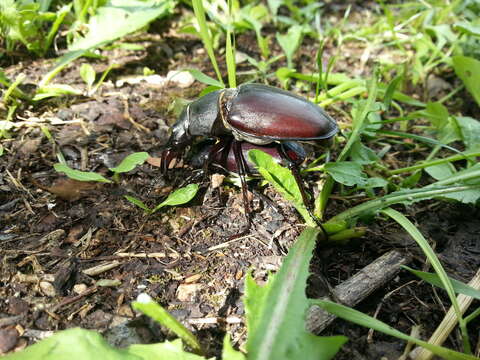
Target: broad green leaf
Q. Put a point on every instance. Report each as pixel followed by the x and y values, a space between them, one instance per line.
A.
pixel 468 70
pixel 138 202
pixel 458 286
pixel 362 154
pixel 468 28
pixel 444 125
pixel 466 197
pixel 290 42
pixel 470 130
pixel 229 353
pixel 374 182
pixel 205 79
pixel 147 306
pixel 179 197
pixel 118 18
pixel 470 175
pixel 80 175
pixel 440 171
pixel 90 345
pixel 112 21
pixel 282 179
pixel 346 172
pixel 276 312
pixel 130 162
pixel 362 319
pixel 88 74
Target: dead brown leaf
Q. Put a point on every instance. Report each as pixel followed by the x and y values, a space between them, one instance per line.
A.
pixel 154 161
pixel 69 189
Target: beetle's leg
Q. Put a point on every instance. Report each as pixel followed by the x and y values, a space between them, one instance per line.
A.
pixel 221 147
pixel 293 164
pixel 167 156
pixel 242 172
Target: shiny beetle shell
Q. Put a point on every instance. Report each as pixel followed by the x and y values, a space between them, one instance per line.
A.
pixel 255 113
pixel 261 114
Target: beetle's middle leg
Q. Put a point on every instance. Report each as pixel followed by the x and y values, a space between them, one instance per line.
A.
pixel 293 165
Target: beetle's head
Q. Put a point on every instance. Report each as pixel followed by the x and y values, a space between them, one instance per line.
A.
pixel 179 139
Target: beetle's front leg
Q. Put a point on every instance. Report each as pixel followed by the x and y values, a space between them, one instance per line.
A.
pixel 293 164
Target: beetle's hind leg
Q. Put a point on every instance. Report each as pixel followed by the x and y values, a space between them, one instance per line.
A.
pixel 293 164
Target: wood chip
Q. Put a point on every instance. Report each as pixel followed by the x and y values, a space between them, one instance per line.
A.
pixel 96 270
pixel 358 287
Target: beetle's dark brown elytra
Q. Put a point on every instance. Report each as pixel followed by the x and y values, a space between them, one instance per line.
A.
pixel 252 113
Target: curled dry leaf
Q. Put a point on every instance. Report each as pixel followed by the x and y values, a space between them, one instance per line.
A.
pixel 69 189
pixel 154 161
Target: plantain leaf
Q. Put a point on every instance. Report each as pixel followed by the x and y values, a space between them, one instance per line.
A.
pixel 276 312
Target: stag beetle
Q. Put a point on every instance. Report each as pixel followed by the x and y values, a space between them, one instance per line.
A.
pixel 252 113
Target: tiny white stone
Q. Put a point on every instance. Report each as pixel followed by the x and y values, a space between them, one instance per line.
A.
pixel 144 298
pixel 182 78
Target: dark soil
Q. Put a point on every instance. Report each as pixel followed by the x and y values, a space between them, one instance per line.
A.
pixel 55 231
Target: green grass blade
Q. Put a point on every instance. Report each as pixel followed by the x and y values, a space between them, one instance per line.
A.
pixel 425 164
pixel 230 49
pixel 147 306
pixel 364 320
pixel 423 139
pixel 433 279
pixel 360 118
pixel 111 21
pixel 138 202
pixel 437 266
pixel 205 35
pixel 404 196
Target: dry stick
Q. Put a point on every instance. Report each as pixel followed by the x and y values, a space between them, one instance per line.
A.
pixel 358 287
pixel 73 299
pixel 448 323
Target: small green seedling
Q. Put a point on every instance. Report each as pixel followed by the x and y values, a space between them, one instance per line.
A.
pixel 80 175
pixel 88 75
pixel 127 164
pixel 178 197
